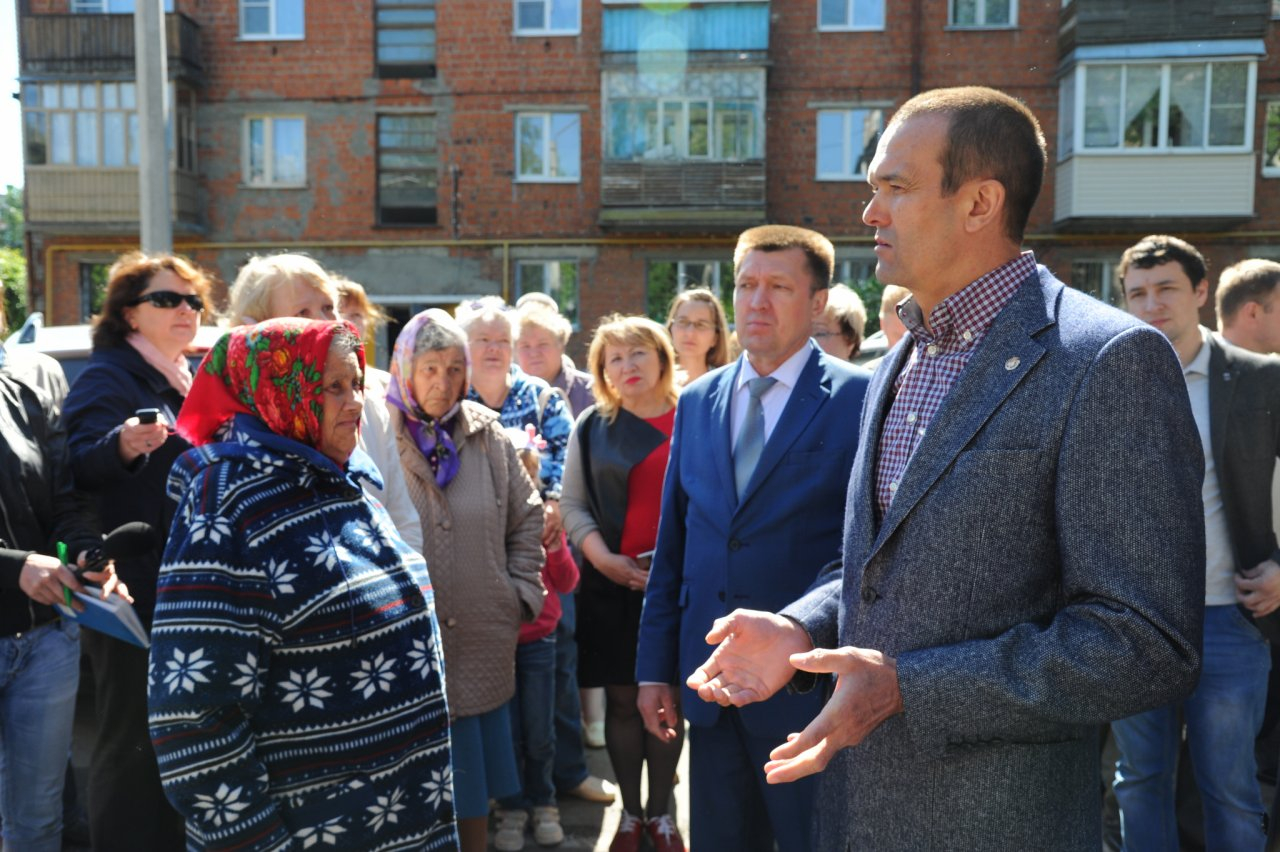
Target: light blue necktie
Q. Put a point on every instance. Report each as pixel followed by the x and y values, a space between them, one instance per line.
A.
pixel 751 438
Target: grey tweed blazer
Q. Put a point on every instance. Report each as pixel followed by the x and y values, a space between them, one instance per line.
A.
pixel 1040 572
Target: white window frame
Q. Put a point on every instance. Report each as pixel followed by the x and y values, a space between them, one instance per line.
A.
pixel 846 114
pixel 1271 107
pixel 268 146
pixel 546 29
pixel 545 116
pixel 981 23
pixel 680 104
pixel 1163 149
pixel 273 33
pixel 850 25
pixel 181 111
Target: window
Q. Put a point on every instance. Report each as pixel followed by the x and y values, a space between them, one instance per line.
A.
pixel 984 13
pixel 275 151
pixel 853 271
pixel 407 167
pixel 95 125
pixel 406 39
pixel 850 14
pixel 716 115
pixel 271 19
pixel 113 7
pixel 1271 154
pixel 1275 8
pixel 847 141
pixel 93 289
pixel 1159 106
pixel 548 147
pixel 1098 279
pixel 667 278
pixel 547 17
pixel 557 278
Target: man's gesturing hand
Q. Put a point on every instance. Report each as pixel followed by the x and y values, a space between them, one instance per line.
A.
pixel 866 694
pixel 753 659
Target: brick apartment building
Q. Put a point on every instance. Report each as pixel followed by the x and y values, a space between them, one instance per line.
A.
pixel 607 151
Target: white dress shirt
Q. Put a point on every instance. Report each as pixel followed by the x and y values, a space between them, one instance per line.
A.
pixel 1219 577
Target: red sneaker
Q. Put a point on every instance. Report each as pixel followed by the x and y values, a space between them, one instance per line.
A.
pixel 630 832
pixel 664 835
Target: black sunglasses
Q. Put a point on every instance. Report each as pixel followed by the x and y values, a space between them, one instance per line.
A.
pixel 169 299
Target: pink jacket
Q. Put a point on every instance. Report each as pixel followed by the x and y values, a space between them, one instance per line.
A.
pixel 559 575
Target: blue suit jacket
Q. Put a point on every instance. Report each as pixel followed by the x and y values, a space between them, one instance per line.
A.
pixel 1040 571
pixel 716 553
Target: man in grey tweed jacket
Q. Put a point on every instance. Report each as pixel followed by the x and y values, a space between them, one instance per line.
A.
pixel 1024 553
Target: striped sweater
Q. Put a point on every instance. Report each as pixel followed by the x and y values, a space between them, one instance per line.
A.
pixel 296 683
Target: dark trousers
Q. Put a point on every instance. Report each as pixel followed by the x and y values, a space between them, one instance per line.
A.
pixel 128 810
pixel 570 767
pixel 730 805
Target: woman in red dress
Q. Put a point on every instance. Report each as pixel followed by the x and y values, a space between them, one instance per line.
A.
pixel 612 495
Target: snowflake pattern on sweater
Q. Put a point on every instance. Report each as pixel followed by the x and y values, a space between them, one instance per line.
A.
pixel 296 684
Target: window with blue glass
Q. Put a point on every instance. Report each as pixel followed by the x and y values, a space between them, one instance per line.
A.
pixel 847 141
pixel 548 17
pixel 699 115
pixel 406 38
pixel 851 14
pixel 271 19
pixel 548 147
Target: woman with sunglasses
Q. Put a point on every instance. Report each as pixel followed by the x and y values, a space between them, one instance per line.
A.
pixel 152 308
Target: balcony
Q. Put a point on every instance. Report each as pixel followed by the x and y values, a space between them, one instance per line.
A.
pixel 682 195
pixel 91 46
pixel 1088 22
pixel 56 198
pixel 1101 191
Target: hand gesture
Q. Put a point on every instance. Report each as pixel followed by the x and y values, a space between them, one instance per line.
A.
pixel 866 694
pixel 752 660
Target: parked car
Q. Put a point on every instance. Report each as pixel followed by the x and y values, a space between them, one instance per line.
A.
pixel 71 345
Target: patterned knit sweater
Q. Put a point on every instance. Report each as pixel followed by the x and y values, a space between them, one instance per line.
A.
pixel 296 683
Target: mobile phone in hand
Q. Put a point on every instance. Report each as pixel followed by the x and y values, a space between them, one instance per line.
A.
pixel 147 415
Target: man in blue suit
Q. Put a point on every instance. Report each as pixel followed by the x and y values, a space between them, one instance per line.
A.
pixel 1024 547
pixel 751 510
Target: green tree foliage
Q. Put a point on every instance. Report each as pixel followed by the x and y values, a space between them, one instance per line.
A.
pixel 11 225
pixel 13 274
pixel 869 290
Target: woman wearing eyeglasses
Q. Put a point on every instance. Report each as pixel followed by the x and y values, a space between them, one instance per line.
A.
pixel 150 314
pixel 698 332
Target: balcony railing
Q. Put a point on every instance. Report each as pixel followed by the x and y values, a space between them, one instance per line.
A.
pixel 683 194
pixel 93 44
pixel 103 199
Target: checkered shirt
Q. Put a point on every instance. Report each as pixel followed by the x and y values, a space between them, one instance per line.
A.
pixel 959 323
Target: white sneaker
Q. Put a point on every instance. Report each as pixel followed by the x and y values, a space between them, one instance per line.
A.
pixel 510 834
pixel 595 789
pixel 546 826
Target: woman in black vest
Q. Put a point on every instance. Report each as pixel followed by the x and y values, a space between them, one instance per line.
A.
pixel 612 495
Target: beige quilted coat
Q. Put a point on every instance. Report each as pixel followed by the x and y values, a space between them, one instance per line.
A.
pixel 482 540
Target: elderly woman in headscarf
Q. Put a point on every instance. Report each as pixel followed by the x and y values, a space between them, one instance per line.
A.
pixel 481 529
pixel 297 692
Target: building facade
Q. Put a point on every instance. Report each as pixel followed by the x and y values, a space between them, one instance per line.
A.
pixel 607 151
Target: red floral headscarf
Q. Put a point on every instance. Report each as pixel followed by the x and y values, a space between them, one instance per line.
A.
pixel 273 370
